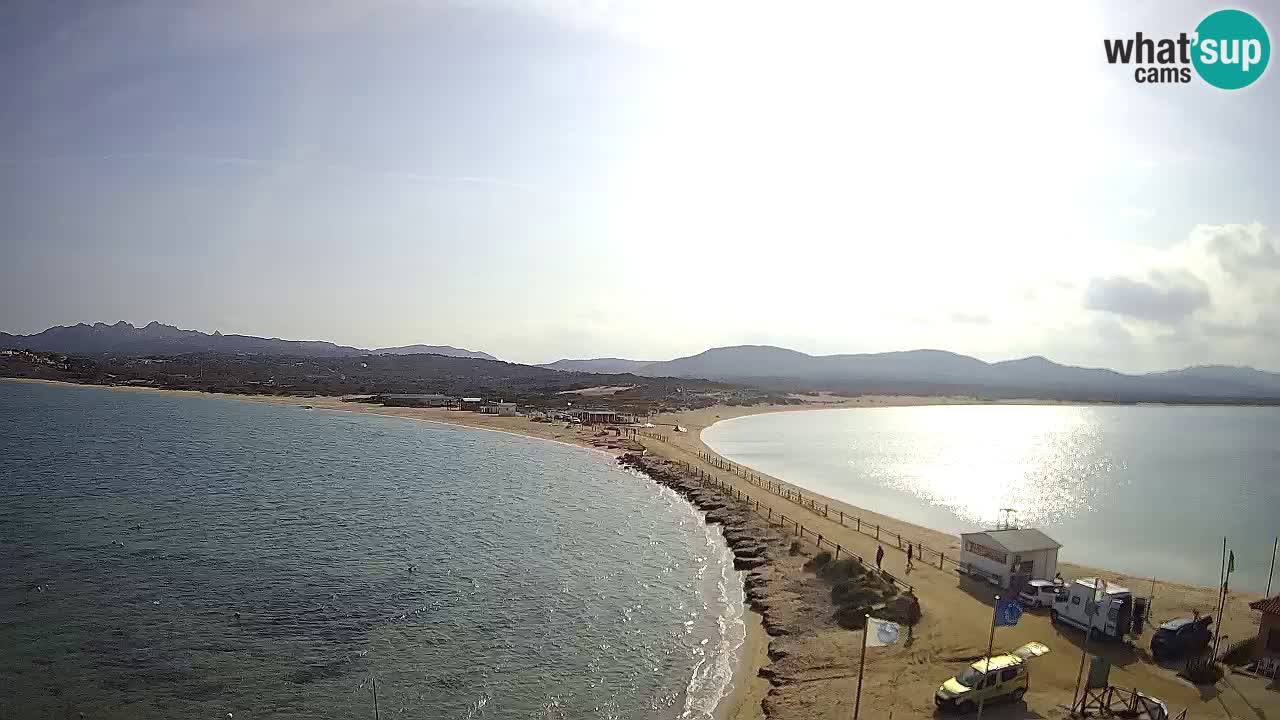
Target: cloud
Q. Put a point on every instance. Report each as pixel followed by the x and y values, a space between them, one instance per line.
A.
pixel 1242 250
pixel 1167 297
pixel 1214 297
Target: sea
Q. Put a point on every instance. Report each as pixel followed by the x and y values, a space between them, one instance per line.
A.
pixel 176 556
pixel 1145 490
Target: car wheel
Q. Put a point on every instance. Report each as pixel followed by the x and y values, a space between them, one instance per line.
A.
pixel 966 707
pixel 1017 694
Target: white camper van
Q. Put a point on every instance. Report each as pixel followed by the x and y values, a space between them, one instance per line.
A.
pixel 1099 608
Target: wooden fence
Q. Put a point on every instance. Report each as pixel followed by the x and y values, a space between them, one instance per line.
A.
pixel 922 552
pixel 790 526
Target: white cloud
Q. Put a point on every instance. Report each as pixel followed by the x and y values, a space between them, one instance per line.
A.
pixel 1216 294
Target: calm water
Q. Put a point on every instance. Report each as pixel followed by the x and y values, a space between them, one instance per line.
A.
pixel 548 583
pixel 1148 490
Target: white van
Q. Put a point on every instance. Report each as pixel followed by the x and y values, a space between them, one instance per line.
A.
pixel 1095 606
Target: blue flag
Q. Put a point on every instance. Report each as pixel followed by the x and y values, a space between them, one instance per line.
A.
pixel 1007 613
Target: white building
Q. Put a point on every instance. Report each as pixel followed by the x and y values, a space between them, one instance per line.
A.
pixel 1009 558
pixel 500 408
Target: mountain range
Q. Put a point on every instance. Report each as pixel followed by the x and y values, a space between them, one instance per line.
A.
pixel 607 366
pixel 921 372
pixel 940 371
pixel 446 350
pixel 155 338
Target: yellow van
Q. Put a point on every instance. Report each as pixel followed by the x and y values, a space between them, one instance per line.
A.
pixel 1002 677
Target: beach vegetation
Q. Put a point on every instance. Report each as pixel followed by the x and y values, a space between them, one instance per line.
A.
pixel 817 562
pixel 1202 669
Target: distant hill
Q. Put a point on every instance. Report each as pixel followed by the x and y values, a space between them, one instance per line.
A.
pixel 155 338
pixel 917 372
pixel 446 350
pixel 159 339
pixel 606 366
pixel 939 371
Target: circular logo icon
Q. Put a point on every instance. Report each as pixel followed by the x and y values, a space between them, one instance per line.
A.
pixel 887 633
pixel 1232 49
pixel 1011 614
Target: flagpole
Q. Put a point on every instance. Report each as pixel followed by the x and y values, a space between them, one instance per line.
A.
pixel 986 667
pixel 862 661
pixel 1222 609
pixel 1084 647
pixel 1273 565
pixel 1222 589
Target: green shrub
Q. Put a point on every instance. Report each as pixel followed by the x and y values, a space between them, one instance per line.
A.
pixel 856 593
pixel 817 562
pixel 1202 670
pixel 842 569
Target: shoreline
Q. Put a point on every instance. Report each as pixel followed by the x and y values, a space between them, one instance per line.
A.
pixel 784 681
pixel 750 655
pixel 951 602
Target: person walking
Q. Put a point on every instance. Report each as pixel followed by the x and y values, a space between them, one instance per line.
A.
pixel 911 554
pixel 879 556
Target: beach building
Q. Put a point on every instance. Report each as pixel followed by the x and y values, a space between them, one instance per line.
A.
pixel 1266 648
pixel 470 403
pixel 1009 558
pixel 603 416
pixel 418 400
pixel 501 409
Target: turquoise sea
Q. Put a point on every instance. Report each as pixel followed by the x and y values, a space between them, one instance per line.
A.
pixel 166 556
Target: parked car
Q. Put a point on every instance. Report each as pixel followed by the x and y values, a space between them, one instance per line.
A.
pixel 1002 677
pixel 1039 593
pixel 1181 637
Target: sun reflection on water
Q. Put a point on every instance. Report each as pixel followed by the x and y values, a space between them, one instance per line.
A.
pixel 1039 460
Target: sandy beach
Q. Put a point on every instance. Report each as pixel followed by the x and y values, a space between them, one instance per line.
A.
pixel 815 671
pixel 819 675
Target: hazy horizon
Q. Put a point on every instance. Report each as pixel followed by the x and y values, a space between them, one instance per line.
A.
pixel 542 180
pixel 990 360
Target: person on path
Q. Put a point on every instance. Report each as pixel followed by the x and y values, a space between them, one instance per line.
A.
pixel 879 556
pixel 911 553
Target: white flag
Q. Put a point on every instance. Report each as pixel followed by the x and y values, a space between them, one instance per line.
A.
pixel 881 632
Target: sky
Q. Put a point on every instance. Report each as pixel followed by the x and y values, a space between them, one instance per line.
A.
pixel 648 179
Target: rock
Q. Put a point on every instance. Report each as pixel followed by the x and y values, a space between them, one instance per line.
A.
pixel 748 563
pixel 773 676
